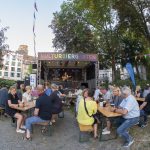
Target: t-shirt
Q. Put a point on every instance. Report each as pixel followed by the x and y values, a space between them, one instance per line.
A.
pixel 82 116
pixel 26 97
pixel 44 104
pixel 14 100
pixel 48 92
pixel 132 106
pixel 147 107
pixel 97 93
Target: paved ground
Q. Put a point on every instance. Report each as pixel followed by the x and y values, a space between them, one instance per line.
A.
pixel 65 137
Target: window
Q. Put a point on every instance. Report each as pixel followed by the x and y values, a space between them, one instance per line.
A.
pixel 13 57
pixel 7 56
pixel 6 74
pixel 6 68
pixel 19 63
pixel 0 73
pixel 7 63
pixel 18 75
pixel 12 74
pixel 18 69
pixel 12 68
pixel 13 63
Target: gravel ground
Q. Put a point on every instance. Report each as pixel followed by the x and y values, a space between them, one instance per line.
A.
pixel 65 136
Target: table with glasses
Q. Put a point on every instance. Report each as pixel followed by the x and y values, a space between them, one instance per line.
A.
pixel 106 112
pixel 27 107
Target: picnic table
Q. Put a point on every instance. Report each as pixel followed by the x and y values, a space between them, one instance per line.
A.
pixel 27 107
pixel 106 113
pixel 70 99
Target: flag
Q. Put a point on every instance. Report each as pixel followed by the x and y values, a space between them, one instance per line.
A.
pixel 35 6
pixel 34 15
pixel 129 68
pixel 33 28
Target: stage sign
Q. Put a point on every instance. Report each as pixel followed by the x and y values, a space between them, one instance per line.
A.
pixel 67 56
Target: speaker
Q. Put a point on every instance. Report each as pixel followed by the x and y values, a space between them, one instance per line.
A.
pixel 84 84
pixel 18 83
pixel 27 81
pixel 34 66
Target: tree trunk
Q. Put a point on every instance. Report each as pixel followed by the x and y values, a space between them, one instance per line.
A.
pixel 137 71
pixel 113 69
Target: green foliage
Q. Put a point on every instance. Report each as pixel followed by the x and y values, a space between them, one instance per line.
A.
pixel 6 83
pixel 72 33
pixel 2 45
pixel 104 26
pixel 128 82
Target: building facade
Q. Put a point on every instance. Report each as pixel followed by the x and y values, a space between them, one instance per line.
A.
pixel 12 66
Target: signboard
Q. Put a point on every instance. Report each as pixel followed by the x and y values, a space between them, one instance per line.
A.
pixel 33 80
pixel 67 56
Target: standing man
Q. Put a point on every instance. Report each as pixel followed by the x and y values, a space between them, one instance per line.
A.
pixel 42 112
pixel 129 108
pixel 97 94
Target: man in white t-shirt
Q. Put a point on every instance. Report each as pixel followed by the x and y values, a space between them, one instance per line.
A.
pixel 97 93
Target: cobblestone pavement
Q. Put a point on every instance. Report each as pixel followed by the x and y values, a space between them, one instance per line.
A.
pixel 65 137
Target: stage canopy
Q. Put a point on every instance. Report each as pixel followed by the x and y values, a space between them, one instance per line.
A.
pixel 66 60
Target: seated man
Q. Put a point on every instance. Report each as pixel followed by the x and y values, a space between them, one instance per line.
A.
pixel 42 111
pixel 144 111
pixel 129 108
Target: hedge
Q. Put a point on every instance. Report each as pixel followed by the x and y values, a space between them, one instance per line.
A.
pixel 6 83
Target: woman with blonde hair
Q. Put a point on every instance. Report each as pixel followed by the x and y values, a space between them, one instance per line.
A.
pixel 138 91
pixel 12 103
pixel 115 102
pixel 27 95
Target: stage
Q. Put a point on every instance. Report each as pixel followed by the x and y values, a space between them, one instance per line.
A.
pixel 69 70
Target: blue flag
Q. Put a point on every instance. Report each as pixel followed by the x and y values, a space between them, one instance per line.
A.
pixel 131 73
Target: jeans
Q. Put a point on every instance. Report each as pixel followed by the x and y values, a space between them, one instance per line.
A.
pixel 122 130
pixel 144 115
pixel 31 120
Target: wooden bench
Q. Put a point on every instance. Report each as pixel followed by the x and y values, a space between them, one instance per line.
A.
pixel 84 129
pixel 47 126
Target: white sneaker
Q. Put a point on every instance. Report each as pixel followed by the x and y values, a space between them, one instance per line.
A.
pixel 106 132
pixel 20 131
pixel 23 127
pixel 128 144
pixel 105 129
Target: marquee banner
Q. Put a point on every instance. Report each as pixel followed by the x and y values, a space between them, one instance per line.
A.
pixel 67 56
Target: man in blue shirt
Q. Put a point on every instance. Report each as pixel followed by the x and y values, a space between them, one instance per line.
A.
pixel 129 108
pixel 42 112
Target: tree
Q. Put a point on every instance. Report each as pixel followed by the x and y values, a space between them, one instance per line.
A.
pixel 133 24
pixel 102 25
pixel 134 17
pixel 72 34
pixel 2 45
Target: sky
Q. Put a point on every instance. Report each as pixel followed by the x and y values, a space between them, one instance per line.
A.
pixel 18 16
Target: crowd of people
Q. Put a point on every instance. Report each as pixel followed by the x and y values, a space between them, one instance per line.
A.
pixel 47 105
pixel 50 98
pixel 122 101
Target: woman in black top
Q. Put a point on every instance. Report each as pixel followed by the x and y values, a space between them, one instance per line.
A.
pixel 12 103
pixel 56 100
